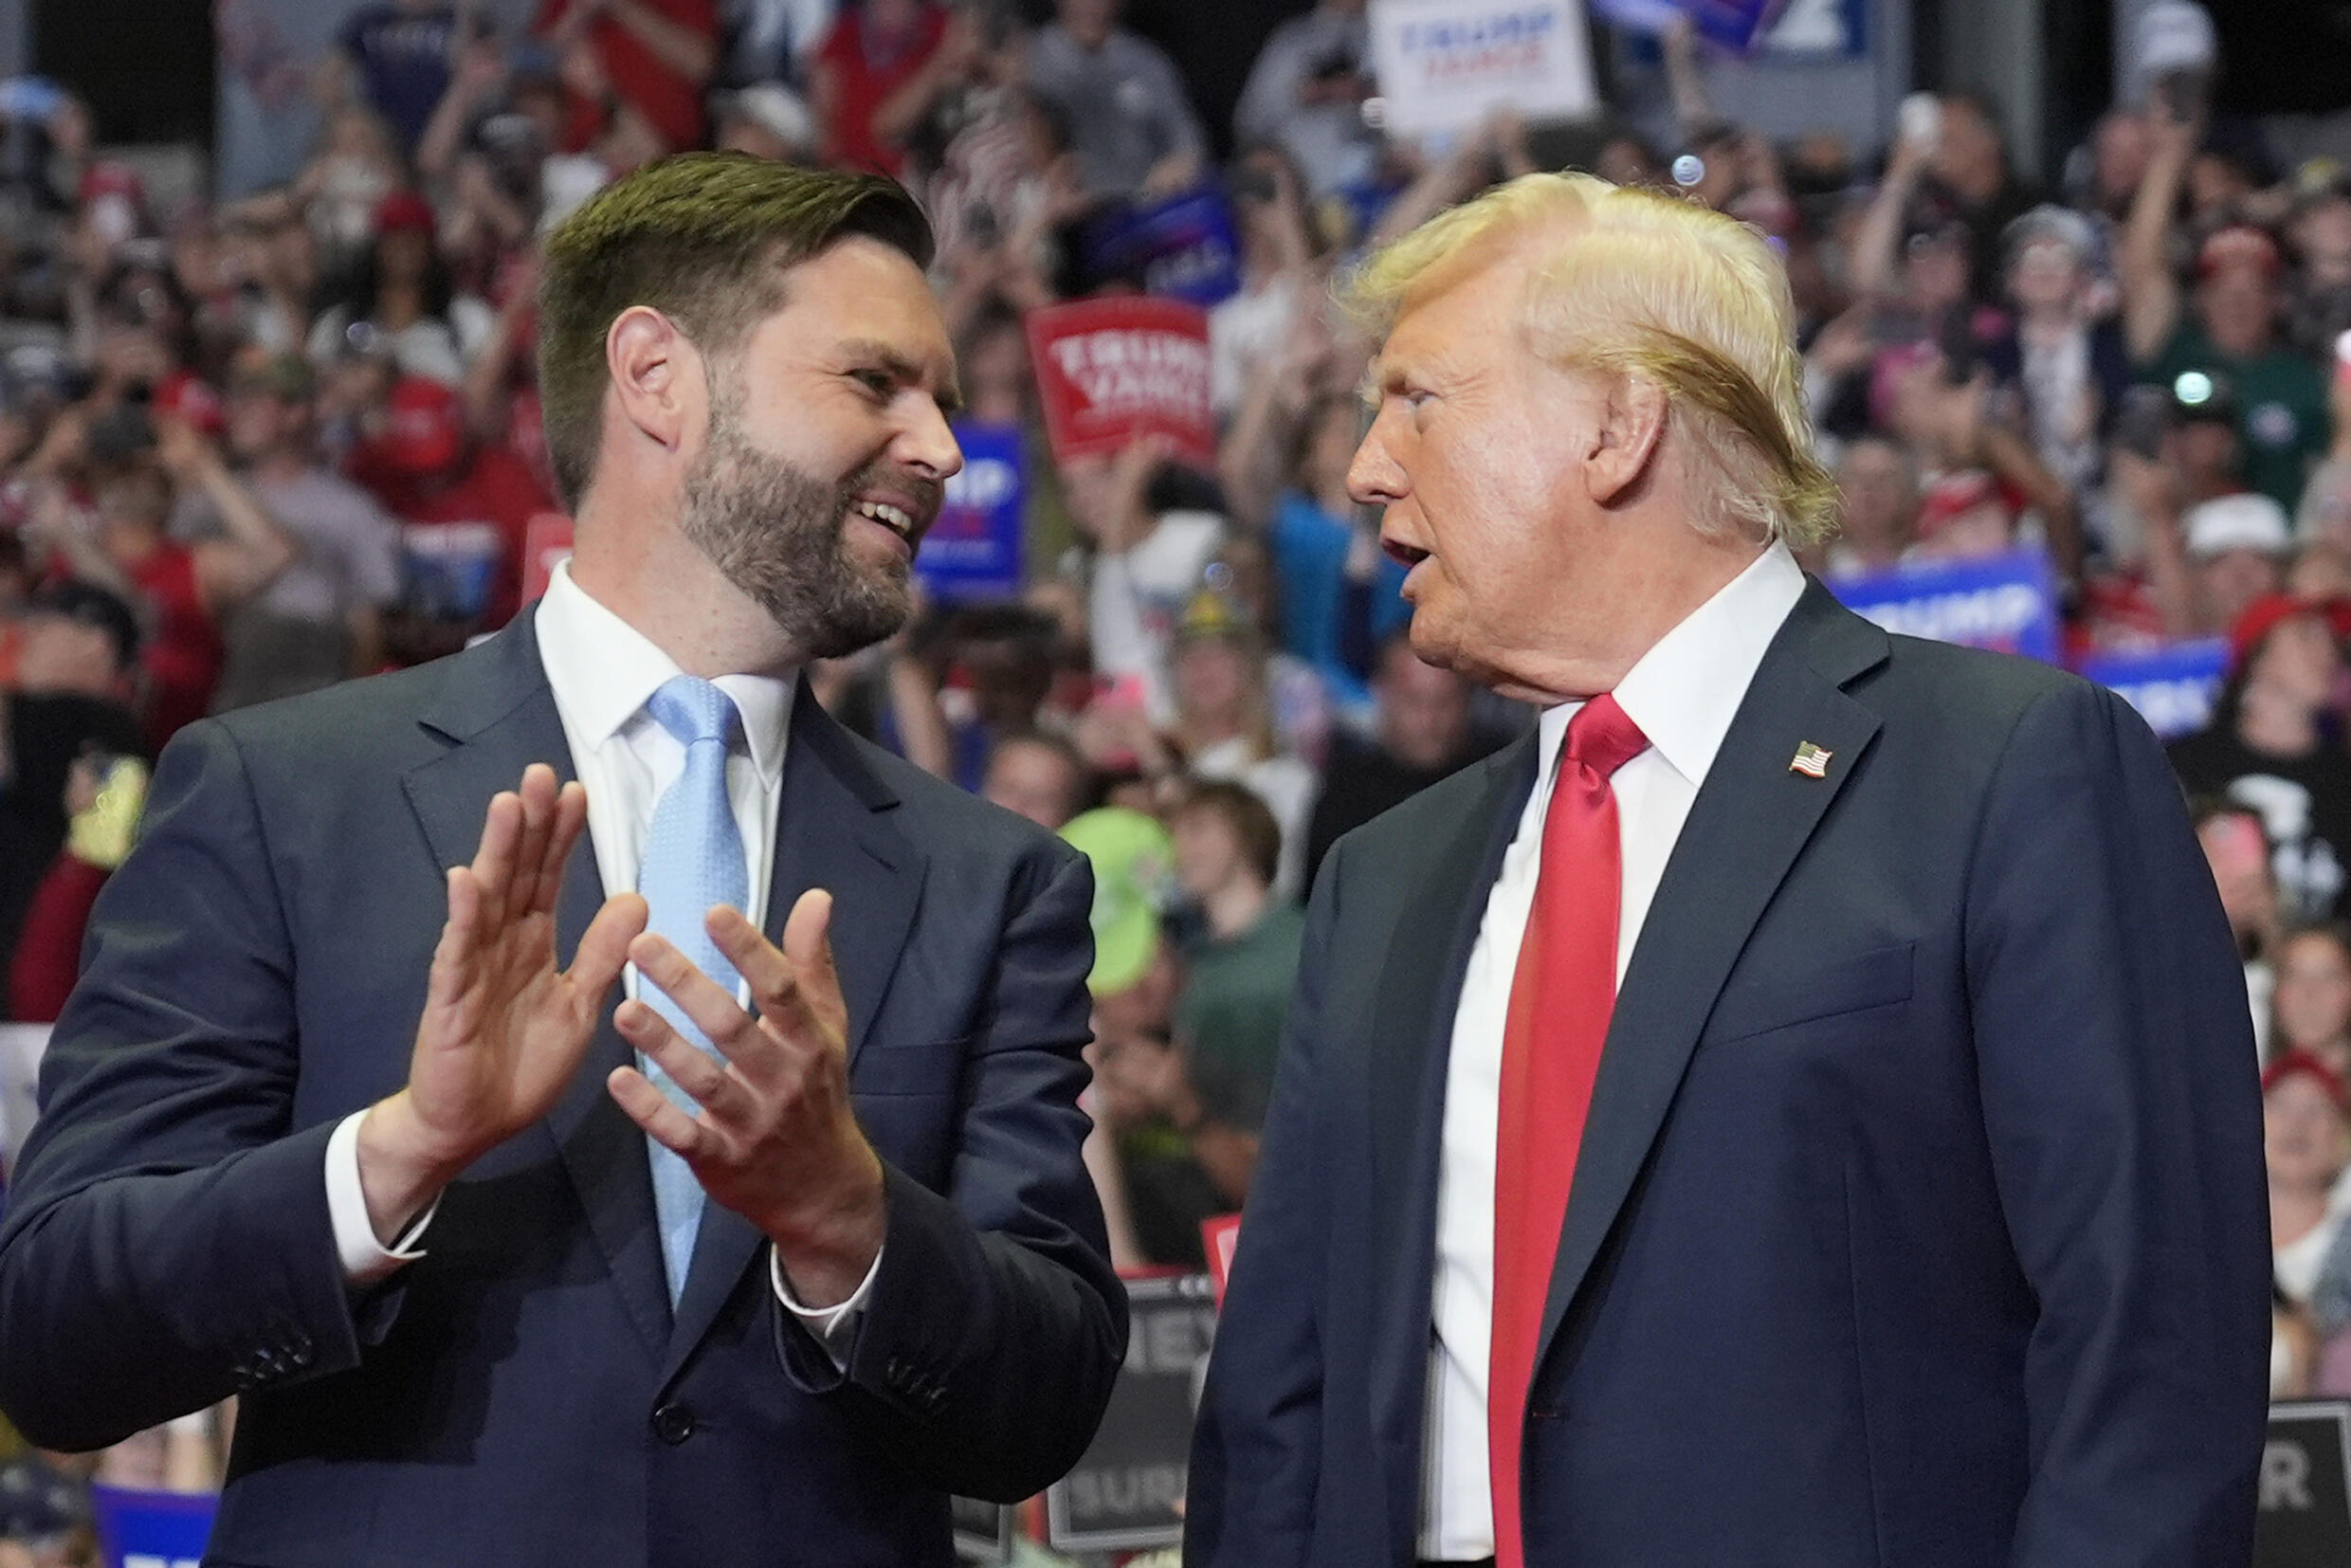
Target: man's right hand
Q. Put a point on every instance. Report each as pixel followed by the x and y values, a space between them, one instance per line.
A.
pixel 503 1029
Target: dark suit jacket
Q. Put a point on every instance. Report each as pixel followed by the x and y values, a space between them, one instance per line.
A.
pixel 1920 1216
pixel 523 1394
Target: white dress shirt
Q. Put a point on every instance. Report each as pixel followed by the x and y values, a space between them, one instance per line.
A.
pixel 1683 695
pixel 602 671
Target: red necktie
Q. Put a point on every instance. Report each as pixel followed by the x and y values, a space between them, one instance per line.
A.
pixel 1560 999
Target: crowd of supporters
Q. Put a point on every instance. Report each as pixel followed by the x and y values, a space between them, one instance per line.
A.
pixel 252 447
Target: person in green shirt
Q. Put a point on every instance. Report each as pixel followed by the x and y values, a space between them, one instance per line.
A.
pixel 1237 991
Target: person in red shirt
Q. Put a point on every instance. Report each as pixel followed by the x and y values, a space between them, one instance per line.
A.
pixel 877 74
pixel 658 54
pixel 463 507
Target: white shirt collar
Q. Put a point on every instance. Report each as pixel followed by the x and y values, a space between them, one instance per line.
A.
pixel 603 670
pixel 1684 691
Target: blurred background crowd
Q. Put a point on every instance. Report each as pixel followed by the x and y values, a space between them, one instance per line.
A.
pixel 276 428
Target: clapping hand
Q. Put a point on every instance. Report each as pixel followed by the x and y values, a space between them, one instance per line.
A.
pixel 775 1138
pixel 504 1030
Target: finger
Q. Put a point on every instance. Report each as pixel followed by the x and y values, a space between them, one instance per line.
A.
pixel 704 1081
pixel 493 863
pixel 809 944
pixel 538 795
pixel 604 946
pixel 710 1006
pixel 571 817
pixel 775 988
pixel 663 1123
pixel 452 958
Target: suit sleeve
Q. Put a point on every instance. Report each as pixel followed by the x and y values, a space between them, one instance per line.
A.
pixel 996 1326
pixel 167 1240
pixel 1257 1447
pixel 2119 1097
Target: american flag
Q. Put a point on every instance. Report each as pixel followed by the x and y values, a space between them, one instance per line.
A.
pixel 1810 761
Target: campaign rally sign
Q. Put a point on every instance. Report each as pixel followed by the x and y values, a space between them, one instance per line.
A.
pixel 1125 1493
pixel 1738 26
pixel 142 1529
pixel 2173 686
pixel 974 550
pixel 2305 1494
pixel 546 542
pixel 1112 369
pixel 1444 65
pixel 1184 247
pixel 2008 602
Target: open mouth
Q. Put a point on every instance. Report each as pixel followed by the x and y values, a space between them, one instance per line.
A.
pixel 892 517
pixel 1405 555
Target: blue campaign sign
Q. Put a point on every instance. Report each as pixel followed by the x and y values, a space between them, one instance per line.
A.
pixel 1738 26
pixel 974 550
pixel 2172 686
pixel 2008 602
pixel 141 1530
pixel 1184 247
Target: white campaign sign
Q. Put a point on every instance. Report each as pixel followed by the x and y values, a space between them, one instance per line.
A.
pixel 1446 65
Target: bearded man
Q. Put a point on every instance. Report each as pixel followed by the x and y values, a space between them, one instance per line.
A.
pixel 589 1107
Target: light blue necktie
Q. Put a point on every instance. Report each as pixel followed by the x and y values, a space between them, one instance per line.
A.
pixel 693 860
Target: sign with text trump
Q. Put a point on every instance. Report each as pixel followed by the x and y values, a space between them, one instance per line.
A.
pixel 1445 65
pixel 1112 369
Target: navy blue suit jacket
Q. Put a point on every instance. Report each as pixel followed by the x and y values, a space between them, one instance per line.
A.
pixel 1920 1218
pixel 524 1393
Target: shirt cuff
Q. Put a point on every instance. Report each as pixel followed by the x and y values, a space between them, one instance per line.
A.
pixel 365 1261
pixel 833 1325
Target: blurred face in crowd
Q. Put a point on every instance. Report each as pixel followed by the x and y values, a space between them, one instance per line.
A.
pixel 2204 451
pixel 828 450
pixel 58 653
pixel 2322 237
pixel 2228 582
pixel 1967 151
pixel 1424 711
pixel 1214 679
pixel 1626 160
pixel 131 507
pixel 1337 424
pixel 1208 853
pixel 2048 279
pixel 1981 530
pixel 2313 996
pixel 1033 780
pixel 2302 1134
pixel 1478 451
pixel 259 422
pixel 2118 159
pixel 1880 493
pixel 2237 307
pixel 2299 661
pixel 2238 855
pixel 2217 186
pixel 2320 571
pixel 996 376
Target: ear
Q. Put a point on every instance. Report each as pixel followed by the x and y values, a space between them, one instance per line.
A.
pixel 657 378
pixel 1631 421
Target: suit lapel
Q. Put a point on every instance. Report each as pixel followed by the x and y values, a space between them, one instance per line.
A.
pixel 1409 1052
pixel 833 829
pixel 1751 819
pixel 496 710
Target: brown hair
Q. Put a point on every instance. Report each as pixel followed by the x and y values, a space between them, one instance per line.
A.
pixel 1251 821
pixel 705 238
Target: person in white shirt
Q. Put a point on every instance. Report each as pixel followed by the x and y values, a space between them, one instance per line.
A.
pixel 675 1165
pixel 1796 1106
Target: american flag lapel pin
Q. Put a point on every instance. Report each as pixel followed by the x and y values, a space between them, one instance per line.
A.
pixel 1810 761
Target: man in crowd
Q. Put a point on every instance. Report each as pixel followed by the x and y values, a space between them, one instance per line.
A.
pixel 1424 735
pixel 1130 119
pixel 1929 1071
pixel 349 1115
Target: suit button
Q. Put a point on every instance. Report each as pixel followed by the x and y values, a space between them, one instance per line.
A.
pixel 673 1424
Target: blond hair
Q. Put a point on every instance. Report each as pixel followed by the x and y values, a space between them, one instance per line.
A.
pixel 1634 282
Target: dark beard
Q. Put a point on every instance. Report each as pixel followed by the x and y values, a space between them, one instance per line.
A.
pixel 775 531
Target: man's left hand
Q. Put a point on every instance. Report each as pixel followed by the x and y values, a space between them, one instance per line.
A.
pixel 775 1138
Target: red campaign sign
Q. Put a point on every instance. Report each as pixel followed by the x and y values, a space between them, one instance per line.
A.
pixel 1123 366
pixel 546 540
pixel 1218 1237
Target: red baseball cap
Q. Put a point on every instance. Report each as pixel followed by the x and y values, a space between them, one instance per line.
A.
pixel 404 209
pixel 426 431
pixel 181 392
pixel 2265 614
pixel 2291 1063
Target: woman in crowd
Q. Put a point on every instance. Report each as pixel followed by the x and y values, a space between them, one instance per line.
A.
pixel 2306 1140
pixel 400 298
pixel 2313 999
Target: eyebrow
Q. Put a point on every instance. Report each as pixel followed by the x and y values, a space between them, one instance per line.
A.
pixel 949 394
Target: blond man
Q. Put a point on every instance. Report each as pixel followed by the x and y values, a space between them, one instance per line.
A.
pixel 1794 1108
